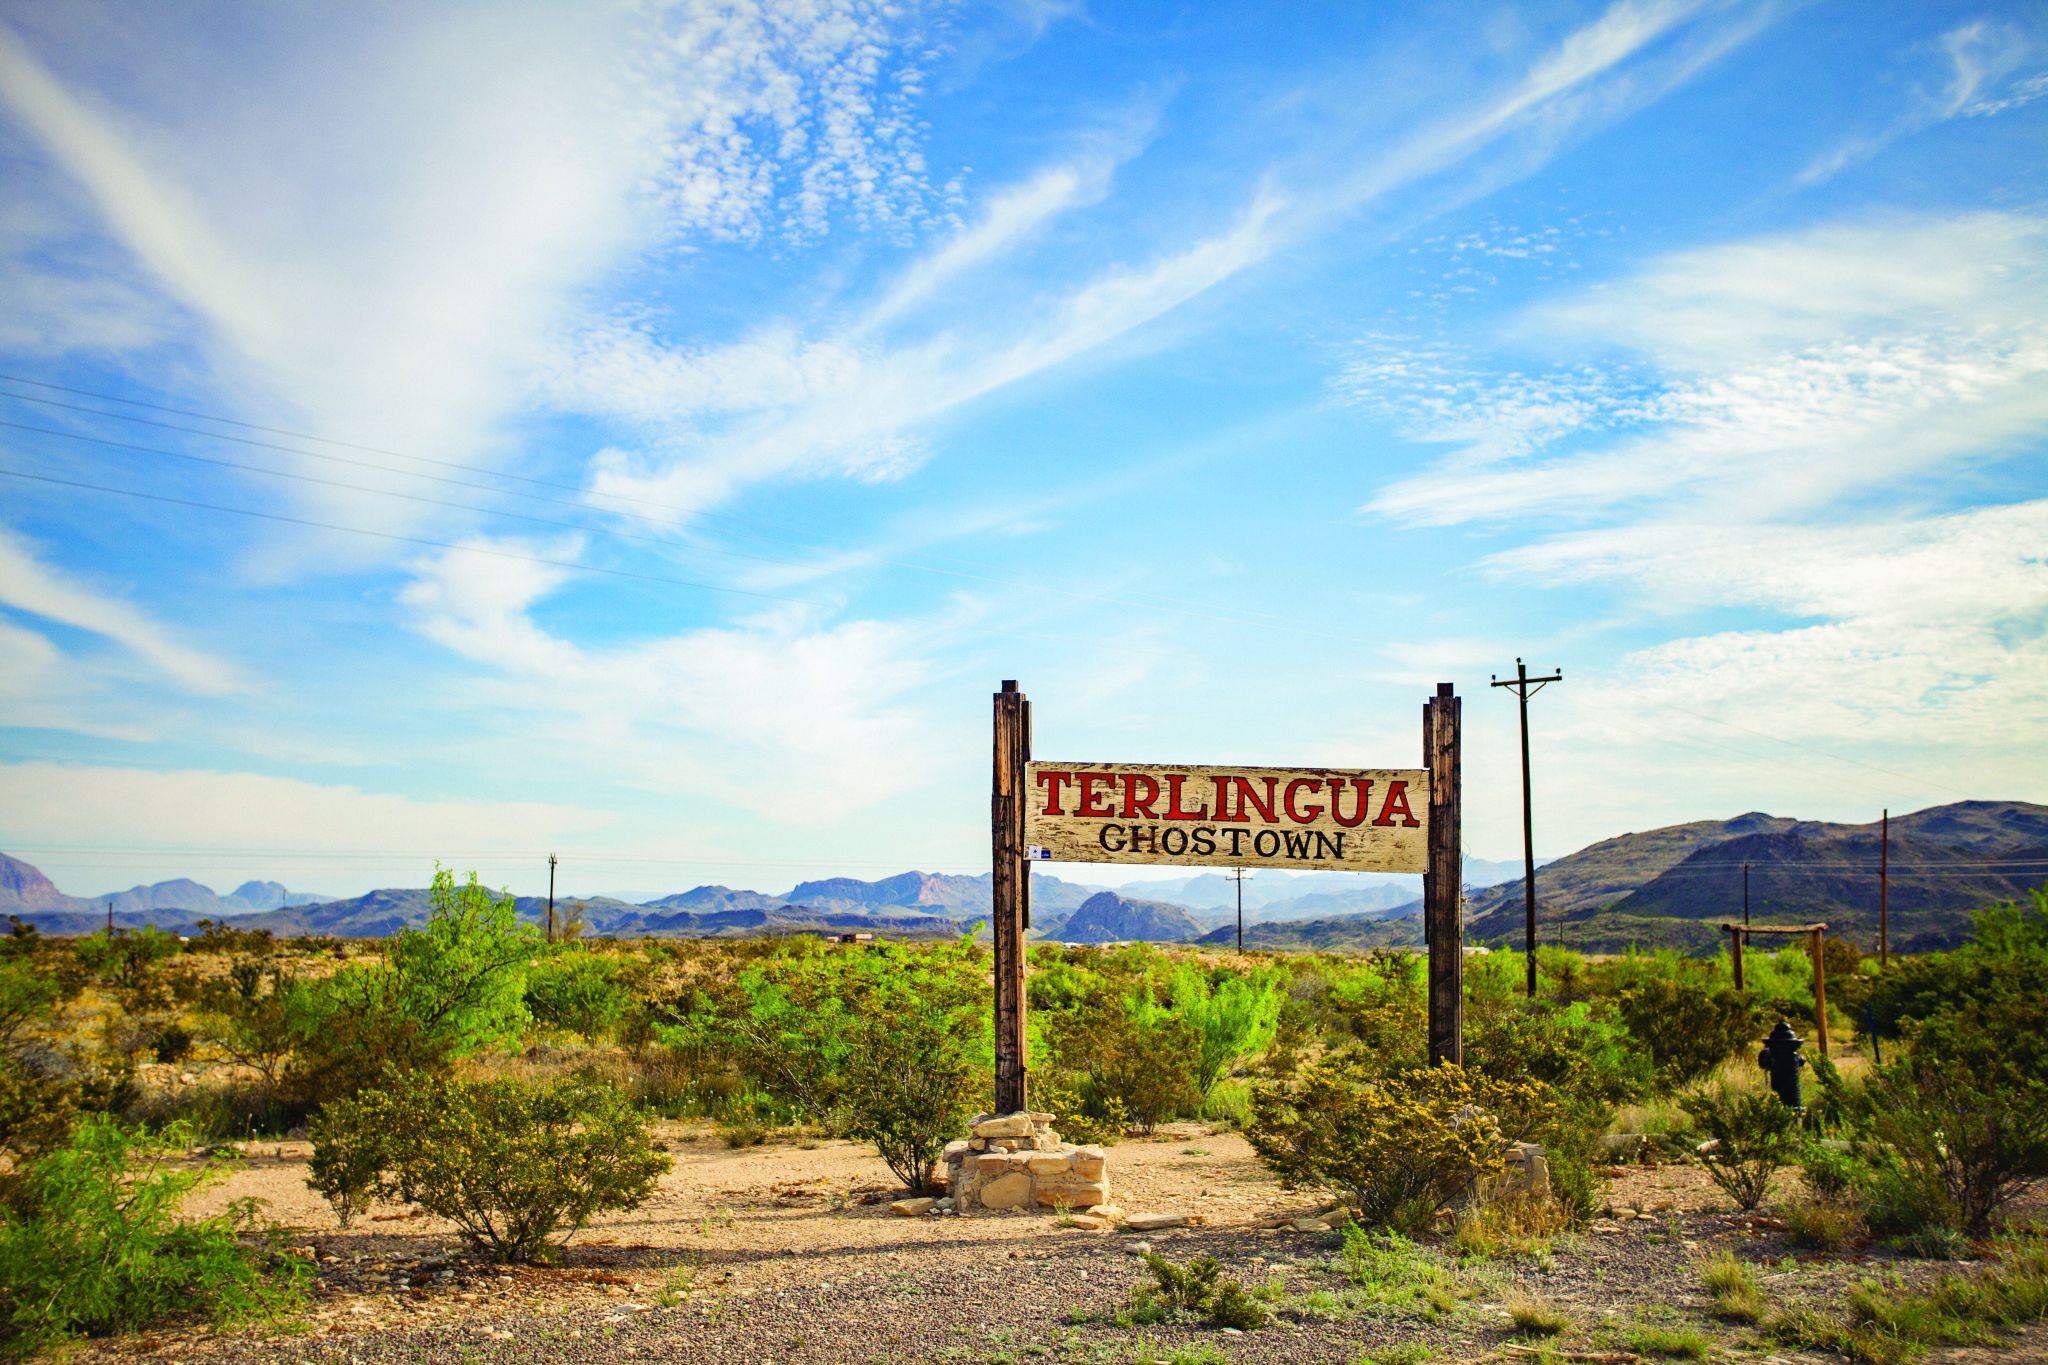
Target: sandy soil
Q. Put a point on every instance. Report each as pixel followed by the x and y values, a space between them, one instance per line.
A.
pixel 788 1252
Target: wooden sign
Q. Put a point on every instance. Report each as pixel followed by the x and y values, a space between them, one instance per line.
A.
pixel 1374 820
pixel 1378 820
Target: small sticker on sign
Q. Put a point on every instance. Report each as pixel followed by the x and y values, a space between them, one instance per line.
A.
pixel 1034 851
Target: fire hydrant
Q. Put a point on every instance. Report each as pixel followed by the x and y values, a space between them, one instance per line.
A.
pixel 1781 1061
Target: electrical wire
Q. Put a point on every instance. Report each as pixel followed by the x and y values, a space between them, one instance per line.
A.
pixel 406 540
pixel 636 507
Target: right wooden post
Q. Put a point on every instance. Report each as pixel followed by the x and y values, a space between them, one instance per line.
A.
pixel 1735 933
pixel 1443 881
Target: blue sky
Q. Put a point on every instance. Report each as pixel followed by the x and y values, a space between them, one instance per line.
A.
pixel 652 431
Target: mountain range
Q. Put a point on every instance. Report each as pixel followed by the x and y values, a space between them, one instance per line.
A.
pixel 1667 887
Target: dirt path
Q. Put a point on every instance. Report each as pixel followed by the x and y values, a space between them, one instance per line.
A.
pixel 788 1253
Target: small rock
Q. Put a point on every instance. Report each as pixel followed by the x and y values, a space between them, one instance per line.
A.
pixel 1138 1249
pixel 911 1208
pixel 1087 1221
pixel 1008 1126
pixel 1155 1222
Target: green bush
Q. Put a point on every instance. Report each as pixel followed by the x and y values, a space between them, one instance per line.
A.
pixel 445 990
pixel 1750 1136
pixel 2004 972
pixel 919 1068
pixel 90 1244
pixel 1959 1132
pixel 1197 1288
pixel 577 991
pixel 509 1165
pixel 1690 1026
pixel 1128 1051
pixel 1232 1019
pixel 1393 1148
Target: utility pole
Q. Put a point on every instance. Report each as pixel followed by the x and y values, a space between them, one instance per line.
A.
pixel 1884 892
pixel 110 919
pixel 1745 895
pixel 1237 875
pixel 551 898
pixel 1525 687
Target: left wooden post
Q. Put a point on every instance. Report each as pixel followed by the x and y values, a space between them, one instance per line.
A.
pixel 1010 881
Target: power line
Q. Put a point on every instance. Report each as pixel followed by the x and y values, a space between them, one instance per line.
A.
pixel 635 507
pixel 406 540
pixel 1795 744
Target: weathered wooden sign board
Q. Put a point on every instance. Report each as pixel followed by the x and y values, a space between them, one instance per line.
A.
pixel 1370 820
pixel 1339 820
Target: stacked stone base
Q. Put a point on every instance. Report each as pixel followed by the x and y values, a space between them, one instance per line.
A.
pixel 1017 1161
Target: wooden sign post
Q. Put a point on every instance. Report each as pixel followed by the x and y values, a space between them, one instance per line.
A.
pixel 1351 820
pixel 1010 882
pixel 1443 889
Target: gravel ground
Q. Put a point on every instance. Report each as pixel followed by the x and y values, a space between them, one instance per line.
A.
pixel 787 1253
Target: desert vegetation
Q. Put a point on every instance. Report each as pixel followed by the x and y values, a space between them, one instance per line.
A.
pixel 514 1087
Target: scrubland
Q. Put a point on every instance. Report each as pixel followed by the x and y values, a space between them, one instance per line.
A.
pixel 469 1143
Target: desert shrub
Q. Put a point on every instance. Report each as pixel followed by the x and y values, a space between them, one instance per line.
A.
pixel 1689 1026
pixel 1125 1050
pixel 918 1070
pixel 1579 1049
pixel 579 992
pixel 173 1042
pixel 453 986
pixel 1390 1272
pixel 1394 1148
pixel 1198 1288
pixel 1583 1056
pixel 91 1244
pixel 27 996
pixel 788 1026
pixel 1959 1131
pixel 1081 1112
pixel 1232 1019
pixel 125 961
pixel 341 1052
pixel 1750 1135
pixel 253 1026
pixel 1824 1224
pixel 509 1165
pixel 2004 968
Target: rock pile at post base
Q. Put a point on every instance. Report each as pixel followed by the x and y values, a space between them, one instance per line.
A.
pixel 1017 1161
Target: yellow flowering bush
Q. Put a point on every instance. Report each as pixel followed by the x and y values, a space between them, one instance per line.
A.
pixel 508 1164
pixel 1394 1147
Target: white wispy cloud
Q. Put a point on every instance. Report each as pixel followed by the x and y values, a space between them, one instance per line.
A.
pixel 749 714
pixel 29 585
pixel 1765 428
pixel 390 269
pixel 852 399
pixel 1772 375
pixel 1981 75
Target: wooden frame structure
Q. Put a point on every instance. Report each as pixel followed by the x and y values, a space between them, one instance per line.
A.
pixel 1816 934
pixel 1439 860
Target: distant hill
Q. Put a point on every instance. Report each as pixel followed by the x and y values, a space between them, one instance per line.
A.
pixel 1311 895
pixel 1351 933
pixel 1667 887
pixel 25 889
pixel 1107 917
pixel 911 904
pixel 1672 887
